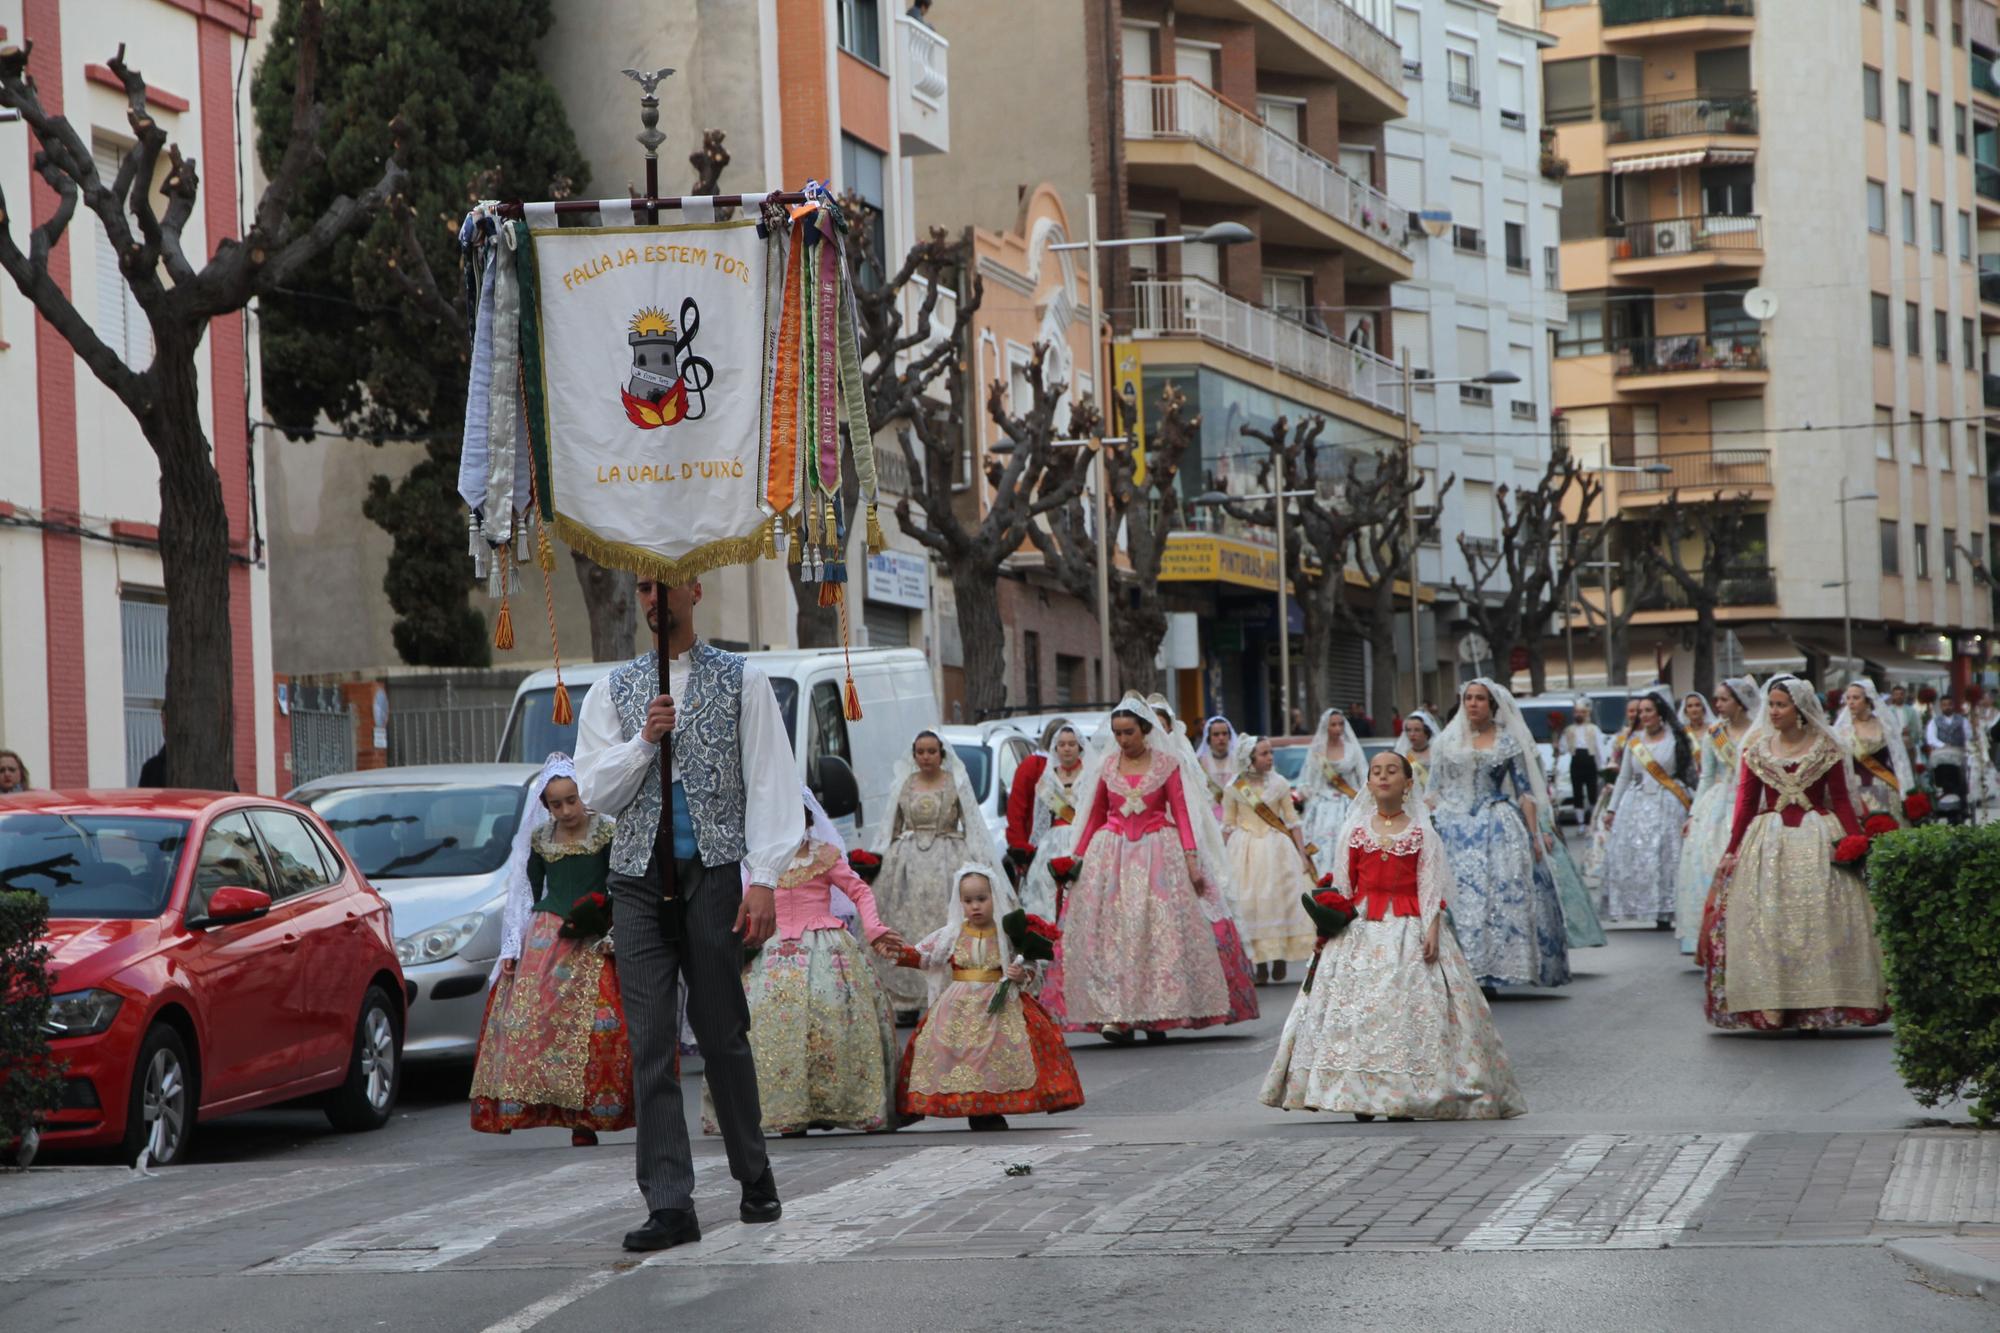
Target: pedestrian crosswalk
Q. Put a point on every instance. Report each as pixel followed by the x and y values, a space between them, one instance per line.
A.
pixel 935 1195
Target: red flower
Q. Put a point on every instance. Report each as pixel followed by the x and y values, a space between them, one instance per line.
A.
pixel 1326 880
pixel 1851 850
pixel 858 857
pixel 1917 807
pixel 1044 928
pixel 1063 867
pixel 1878 824
pixel 1927 695
pixel 1332 899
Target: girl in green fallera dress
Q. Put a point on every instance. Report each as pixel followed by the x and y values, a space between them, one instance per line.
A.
pixel 554 1050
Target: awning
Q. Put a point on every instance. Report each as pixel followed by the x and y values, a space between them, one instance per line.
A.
pixel 1886 665
pixel 1623 166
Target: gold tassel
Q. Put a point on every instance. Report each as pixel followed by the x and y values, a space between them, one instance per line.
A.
pixel 563 714
pixel 829 594
pixel 853 709
pixel 771 539
pixel 798 553
pixel 503 628
pixel 876 542
pixel 851 698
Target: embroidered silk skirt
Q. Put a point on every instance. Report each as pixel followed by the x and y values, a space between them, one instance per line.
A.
pixel 554 1050
pixel 1269 877
pixel 963 1061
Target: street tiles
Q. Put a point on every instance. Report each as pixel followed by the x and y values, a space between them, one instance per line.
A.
pixel 1382 1188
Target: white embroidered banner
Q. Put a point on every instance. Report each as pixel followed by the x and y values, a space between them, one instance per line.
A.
pixel 645 368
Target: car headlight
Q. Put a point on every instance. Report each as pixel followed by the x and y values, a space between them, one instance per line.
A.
pixel 439 942
pixel 81 1013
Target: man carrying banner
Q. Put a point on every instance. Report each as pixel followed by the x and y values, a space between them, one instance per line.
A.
pixel 734 806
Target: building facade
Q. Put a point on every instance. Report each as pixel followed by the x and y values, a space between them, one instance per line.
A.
pixel 82 605
pixel 1751 188
pixel 1487 293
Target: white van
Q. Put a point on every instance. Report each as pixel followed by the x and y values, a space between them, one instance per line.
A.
pixel 849 765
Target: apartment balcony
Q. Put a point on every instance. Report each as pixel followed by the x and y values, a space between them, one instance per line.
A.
pixel 1747 586
pixel 1989 391
pixel 1639 22
pixel 1697 477
pixel 1323 39
pixel 1986 183
pixel 1663 246
pixel 1181 135
pixel 1989 292
pixel 1655 134
pixel 1197 311
pixel 1985 81
pixel 923 88
pixel 1689 363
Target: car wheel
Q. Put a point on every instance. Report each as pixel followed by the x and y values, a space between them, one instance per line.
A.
pixel 159 1118
pixel 374 1071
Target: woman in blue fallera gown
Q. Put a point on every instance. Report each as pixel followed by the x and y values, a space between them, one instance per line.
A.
pixel 1487 794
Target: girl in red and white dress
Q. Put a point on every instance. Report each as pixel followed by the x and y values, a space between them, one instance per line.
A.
pixel 1394 1024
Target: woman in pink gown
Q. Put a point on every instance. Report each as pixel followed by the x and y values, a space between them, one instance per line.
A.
pixel 1147 943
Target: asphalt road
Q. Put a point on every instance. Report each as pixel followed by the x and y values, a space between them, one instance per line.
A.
pixel 1666 1177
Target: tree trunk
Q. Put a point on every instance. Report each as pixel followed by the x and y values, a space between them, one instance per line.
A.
pixel 1538 669
pixel 1136 634
pixel 1704 649
pixel 1313 660
pixel 1617 667
pixel 982 637
pixel 194 564
pixel 1381 637
pixel 612 603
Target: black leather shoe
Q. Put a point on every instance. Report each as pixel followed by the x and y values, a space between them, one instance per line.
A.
pixel 664 1229
pixel 760 1200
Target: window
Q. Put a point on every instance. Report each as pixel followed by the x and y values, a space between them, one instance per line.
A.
pixel 1461 72
pixel 1871 93
pixel 1723 313
pixel 120 322
pixel 864 169
pixel 1583 335
pixel 143 638
pixel 1913 329
pixel 1473 359
pixel 1885 435
pixel 1069 675
pixel 1964 236
pixel 296 866
pixel 1566 91
pixel 1920 550
pixel 1892 560
pixel 1915 427
pixel 1909 218
pixel 1947 445
pixel 1552 267
pixel 1283 114
pixel 861 30
pixel 1878 310
pixel 1958 118
pixel 828 735
pixel 1517 246
pixel 1878 207
pixel 1589 203
pixel 1937 227
pixel 1031 667
pixel 1976 549
pixel 1941 336
pixel 1727 192
pixel 230 856
pixel 1933 118
pixel 1288 294
pixel 1513 95
pixel 1468 240
pixel 1905 116
pixel 1971 341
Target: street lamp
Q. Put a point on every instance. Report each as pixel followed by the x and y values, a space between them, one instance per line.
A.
pixel 1279 499
pixel 1846 583
pixel 1221 233
pixel 1408 384
pixel 1603 549
pixel 1097 446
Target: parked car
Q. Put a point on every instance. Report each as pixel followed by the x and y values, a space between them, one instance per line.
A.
pixel 1033 725
pixel 991 752
pixel 212 953
pixel 434 840
pixel 849 765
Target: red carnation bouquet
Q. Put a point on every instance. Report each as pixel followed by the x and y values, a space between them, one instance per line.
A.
pixel 1917 807
pixel 1034 938
pixel 1063 869
pixel 1852 850
pixel 865 864
pixel 588 918
pixel 1332 912
pixel 1878 824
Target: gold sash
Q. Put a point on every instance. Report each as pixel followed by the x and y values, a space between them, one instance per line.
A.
pixel 976 974
pixel 1879 769
pixel 1637 745
pixel 1337 782
pixel 1263 811
pixel 1059 804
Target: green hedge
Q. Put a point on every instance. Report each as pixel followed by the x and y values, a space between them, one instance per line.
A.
pixel 30 1085
pixel 1937 904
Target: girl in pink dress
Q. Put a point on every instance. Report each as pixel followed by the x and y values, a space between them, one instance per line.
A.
pixel 1147 943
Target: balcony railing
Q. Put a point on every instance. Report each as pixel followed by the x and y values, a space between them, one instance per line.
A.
pixel 1620 12
pixel 928 67
pixel 1194 307
pixel 1651 118
pixel 1705 469
pixel 1746 586
pixel 1688 353
pixel 1346 29
pixel 1662 237
pixel 1990 390
pixel 1989 286
pixel 1983 79
pixel 1986 179
pixel 1180 108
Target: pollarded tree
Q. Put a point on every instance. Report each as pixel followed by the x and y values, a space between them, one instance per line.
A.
pixel 289 237
pixel 1721 530
pixel 373 337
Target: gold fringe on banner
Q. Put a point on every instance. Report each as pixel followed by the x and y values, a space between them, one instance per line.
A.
pixel 617 555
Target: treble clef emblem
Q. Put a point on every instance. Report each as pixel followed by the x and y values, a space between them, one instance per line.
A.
pixel 696 372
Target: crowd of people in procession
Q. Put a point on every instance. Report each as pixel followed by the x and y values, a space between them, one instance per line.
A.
pixel 1151 881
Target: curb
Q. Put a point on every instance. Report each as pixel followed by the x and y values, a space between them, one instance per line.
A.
pixel 1953 1263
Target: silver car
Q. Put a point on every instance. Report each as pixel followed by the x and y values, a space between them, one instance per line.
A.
pixel 433 840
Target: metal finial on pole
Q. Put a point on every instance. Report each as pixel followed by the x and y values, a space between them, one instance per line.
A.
pixel 649 135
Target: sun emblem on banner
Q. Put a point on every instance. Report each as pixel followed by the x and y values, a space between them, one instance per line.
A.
pixel 666 377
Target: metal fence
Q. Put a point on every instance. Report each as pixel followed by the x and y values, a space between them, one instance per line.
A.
pixel 446 734
pixel 322 734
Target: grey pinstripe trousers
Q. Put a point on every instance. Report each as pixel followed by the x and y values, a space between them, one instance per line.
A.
pixel 710 955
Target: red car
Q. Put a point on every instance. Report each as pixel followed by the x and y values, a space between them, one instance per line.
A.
pixel 211 953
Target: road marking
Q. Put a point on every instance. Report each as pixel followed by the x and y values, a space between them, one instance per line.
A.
pixel 1678 1174
pixel 1943 1179
pixel 148 1215
pixel 530 1316
pixel 50 1186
